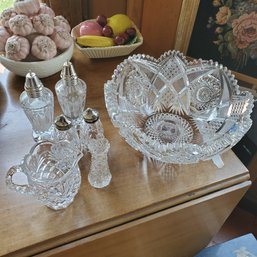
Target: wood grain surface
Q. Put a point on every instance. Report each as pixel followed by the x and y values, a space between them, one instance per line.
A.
pixel 137 189
pixel 175 232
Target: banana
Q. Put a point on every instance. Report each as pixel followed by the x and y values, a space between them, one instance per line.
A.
pixel 95 41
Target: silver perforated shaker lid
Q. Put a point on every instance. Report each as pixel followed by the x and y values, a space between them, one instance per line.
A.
pixel 62 123
pixel 33 85
pixel 68 72
pixel 90 115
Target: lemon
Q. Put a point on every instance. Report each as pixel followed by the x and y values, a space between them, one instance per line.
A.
pixel 119 23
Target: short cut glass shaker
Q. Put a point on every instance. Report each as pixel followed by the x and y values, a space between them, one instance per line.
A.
pixel 91 127
pixel 64 130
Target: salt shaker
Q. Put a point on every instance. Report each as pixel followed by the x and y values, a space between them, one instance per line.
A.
pixel 37 102
pixel 92 139
pixel 71 93
pixel 91 127
pixel 63 130
pixel 99 174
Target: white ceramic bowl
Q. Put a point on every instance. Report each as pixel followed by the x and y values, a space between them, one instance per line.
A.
pixel 41 68
pixel 107 52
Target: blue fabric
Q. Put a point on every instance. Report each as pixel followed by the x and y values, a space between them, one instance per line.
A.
pixel 244 246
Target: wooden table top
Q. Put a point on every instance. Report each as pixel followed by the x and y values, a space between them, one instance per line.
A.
pixel 138 188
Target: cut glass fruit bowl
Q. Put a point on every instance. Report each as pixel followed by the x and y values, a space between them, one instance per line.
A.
pixel 177 111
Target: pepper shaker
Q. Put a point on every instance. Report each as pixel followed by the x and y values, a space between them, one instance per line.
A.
pixel 37 102
pixel 91 127
pixel 63 130
pixel 93 139
pixel 99 174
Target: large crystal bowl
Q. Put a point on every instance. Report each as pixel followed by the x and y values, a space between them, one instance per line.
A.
pixel 176 111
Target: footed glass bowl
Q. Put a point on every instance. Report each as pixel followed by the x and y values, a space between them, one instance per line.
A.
pixel 176 111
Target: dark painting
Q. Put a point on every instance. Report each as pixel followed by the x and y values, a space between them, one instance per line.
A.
pixel 226 31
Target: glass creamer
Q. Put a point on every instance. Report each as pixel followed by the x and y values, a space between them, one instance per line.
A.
pixel 52 174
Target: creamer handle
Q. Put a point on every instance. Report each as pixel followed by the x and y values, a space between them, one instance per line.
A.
pixel 24 189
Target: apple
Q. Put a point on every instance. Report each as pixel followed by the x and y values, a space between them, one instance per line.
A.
pixel 90 28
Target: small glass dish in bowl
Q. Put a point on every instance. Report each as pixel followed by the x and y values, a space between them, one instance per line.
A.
pixel 110 51
pixel 44 68
pixel 176 111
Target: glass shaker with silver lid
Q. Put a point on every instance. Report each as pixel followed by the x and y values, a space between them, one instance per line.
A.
pixel 64 130
pixel 71 93
pixel 37 102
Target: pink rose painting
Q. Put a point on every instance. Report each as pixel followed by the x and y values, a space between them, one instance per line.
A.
pixel 226 31
pixel 235 25
pixel 223 15
pixel 245 29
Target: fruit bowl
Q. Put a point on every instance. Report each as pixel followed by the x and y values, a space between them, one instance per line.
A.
pixel 107 52
pixel 43 68
pixel 176 111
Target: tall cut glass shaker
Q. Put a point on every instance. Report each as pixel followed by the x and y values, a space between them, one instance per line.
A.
pixel 71 93
pixel 93 140
pixel 37 102
pixel 63 130
pixel 99 174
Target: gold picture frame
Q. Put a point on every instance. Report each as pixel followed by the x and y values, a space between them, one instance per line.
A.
pixel 185 27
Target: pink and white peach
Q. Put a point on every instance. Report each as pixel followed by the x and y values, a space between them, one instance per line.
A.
pixel 27 7
pixel 60 21
pixel 21 25
pixel 6 15
pixel 17 48
pixel 43 24
pixel 4 35
pixel 46 10
pixel 62 38
pixel 43 48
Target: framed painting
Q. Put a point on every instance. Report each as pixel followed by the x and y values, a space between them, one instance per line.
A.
pixel 224 31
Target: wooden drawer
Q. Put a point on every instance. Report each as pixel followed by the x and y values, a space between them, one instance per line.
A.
pixel 180 231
